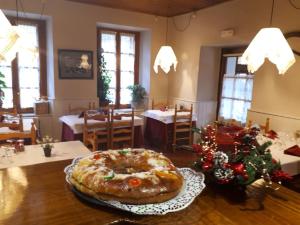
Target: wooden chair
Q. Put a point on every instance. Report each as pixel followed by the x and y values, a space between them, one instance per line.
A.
pixel 80 109
pixel 14 123
pixel 263 127
pixel 122 131
pixel 121 106
pixel 158 105
pixel 182 126
pixel 95 133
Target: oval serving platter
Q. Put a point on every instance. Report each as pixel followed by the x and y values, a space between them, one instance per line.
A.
pixel 193 186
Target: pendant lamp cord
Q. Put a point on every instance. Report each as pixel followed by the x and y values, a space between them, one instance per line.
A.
pixel 19 2
pixel 271 18
pixel 167 21
pixel 17 8
pixel 191 16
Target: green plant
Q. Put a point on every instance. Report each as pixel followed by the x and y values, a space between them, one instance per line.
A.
pixel 103 81
pixel 138 93
pixel 2 85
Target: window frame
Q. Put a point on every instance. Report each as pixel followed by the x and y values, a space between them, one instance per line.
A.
pixel 118 58
pixel 225 52
pixel 42 40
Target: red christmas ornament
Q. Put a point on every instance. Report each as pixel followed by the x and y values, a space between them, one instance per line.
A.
pixel 207 165
pixel 238 168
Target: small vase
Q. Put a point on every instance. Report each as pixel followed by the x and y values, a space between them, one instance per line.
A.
pixel 47 152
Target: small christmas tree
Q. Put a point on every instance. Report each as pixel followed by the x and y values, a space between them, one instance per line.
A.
pixel 241 161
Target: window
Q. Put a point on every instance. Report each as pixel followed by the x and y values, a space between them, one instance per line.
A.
pixel 25 76
pixel 120 51
pixel 235 87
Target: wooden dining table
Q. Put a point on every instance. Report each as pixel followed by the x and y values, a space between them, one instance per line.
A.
pixel 39 195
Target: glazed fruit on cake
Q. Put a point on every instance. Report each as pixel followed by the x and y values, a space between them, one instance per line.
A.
pixel 134 176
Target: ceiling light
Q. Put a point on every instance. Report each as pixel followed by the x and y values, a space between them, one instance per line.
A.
pixel 8 39
pixel 269 43
pixel 165 57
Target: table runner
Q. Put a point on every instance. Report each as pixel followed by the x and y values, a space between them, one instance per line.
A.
pixel 34 154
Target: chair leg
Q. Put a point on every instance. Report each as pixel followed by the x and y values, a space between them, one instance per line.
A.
pixel 95 146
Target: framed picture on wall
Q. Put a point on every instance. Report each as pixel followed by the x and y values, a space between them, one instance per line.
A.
pixel 75 64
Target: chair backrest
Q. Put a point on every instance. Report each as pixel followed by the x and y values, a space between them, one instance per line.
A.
pixel 158 105
pixel 183 116
pixel 95 121
pixel 263 127
pixel 12 120
pixel 122 128
pixel 18 132
pixel 80 109
pixel 183 122
pixel 121 106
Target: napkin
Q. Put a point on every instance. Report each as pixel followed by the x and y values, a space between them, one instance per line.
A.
pixel 294 150
pixel 271 134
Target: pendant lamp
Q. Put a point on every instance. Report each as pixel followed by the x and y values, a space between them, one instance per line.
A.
pixel 165 57
pixel 8 39
pixel 13 39
pixel 268 43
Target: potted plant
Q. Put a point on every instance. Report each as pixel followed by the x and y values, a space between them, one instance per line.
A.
pixel 2 85
pixel 47 145
pixel 103 81
pixel 138 94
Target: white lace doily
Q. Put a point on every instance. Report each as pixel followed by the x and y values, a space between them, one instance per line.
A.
pixel 193 186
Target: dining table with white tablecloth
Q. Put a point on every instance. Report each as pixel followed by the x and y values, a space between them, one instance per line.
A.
pixel 159 126
pixel 72 128
pixel 34 154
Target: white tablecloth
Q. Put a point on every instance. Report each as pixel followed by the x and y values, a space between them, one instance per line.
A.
pixel 34 154
pixel 76 123
pixel 289 163
pixel 165 116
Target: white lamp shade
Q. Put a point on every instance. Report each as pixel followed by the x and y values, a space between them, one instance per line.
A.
pixel 268 43
pixel 165 59
pixel 8 39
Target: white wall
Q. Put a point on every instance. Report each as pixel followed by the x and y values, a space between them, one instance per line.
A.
pixel 272 93
pixel 73 26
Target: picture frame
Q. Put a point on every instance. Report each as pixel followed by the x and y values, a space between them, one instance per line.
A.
pixel 75 64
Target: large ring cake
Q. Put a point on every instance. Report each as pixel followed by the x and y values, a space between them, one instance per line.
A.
pixel 135 176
